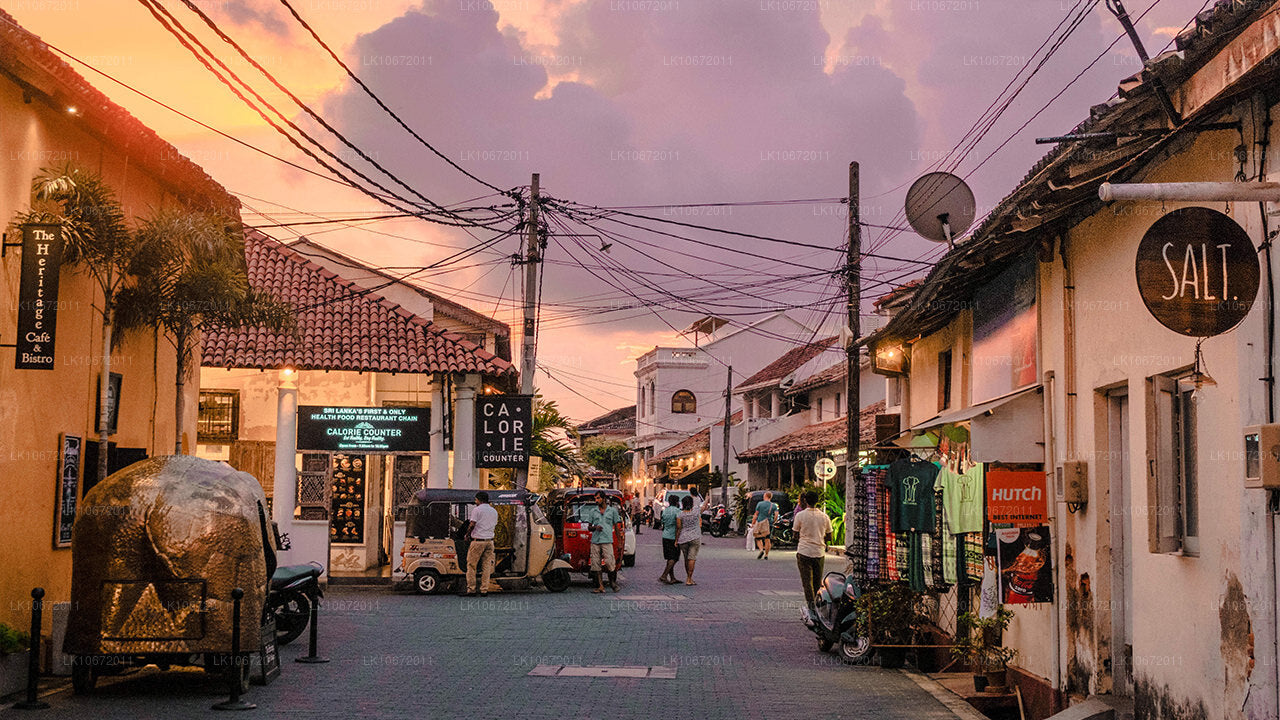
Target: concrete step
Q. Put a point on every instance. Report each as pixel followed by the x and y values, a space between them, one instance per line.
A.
pixel 1091 709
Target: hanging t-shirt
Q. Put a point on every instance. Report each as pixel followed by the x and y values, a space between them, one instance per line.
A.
pixel 962 496
pixel 911 487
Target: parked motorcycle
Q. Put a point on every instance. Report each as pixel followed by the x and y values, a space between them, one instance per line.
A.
pixel 715 520
pixel 783 535
pixel 294 588
pixel 834 619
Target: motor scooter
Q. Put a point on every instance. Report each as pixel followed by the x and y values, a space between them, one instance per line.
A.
pixel 294 588
pixel 715 521
pixel 834 619
pixel 783 534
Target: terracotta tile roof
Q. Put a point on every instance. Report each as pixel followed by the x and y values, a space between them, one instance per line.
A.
pixel 700 440
pixel 832 374
pixel 788 363
pixel 620 420
pixel 813 438
pixel 28 61
pixel 340 326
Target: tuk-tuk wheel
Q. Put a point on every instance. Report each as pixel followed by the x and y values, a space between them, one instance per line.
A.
pixel 83 678
pixel 426 581
pixel 556 580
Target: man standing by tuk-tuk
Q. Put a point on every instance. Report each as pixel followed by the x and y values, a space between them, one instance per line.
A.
pixel 480 554
pixel 602 520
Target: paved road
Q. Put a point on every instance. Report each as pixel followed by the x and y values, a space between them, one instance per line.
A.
pixel 734 643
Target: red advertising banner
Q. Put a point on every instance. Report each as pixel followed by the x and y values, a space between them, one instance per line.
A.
pixel 1016 497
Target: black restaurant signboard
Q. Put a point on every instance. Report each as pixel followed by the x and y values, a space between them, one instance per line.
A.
pixel 364 429
pixel 504 430
pixel 38 296
pixel 1197 271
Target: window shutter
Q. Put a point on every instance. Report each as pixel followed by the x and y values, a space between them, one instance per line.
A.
pixel 1162 471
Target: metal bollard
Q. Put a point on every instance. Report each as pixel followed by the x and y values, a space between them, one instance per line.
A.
pixel 311 657
pixel 235 703
pixel 33 656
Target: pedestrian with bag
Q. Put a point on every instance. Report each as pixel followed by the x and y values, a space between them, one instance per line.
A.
pixel 813 528
pixel 689 536
pixel 670 548
pixel 602 520
pixel 480 554
pixel 762 526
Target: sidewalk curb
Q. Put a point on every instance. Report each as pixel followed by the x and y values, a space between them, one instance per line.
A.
pixel 962 709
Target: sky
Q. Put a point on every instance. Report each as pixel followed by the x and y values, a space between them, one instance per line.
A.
pixel 739 115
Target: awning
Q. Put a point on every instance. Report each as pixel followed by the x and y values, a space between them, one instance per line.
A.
pixel 676 475
pixel 1008 429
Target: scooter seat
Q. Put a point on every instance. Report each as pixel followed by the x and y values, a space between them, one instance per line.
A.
pixel 289 574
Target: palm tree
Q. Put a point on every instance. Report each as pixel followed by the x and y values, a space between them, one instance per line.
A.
pixel 191 276
pixel 548 424
pixel 95 240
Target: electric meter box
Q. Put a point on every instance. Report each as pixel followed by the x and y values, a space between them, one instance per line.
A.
pixel 1262 456
pixel 1073 481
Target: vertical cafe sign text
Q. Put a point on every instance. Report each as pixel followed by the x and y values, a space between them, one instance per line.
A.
pixel 38 296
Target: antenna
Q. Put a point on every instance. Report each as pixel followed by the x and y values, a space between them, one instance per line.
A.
pixel 940 206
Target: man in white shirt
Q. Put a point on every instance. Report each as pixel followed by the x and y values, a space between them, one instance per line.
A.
pixel 814 529
pixel 484 519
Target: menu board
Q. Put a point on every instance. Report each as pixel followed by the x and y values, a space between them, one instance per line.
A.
pixel 346 524
pixel 69 457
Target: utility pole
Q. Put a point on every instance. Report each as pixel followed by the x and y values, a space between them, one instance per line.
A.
pixel 853 402
pixel 528 341
pixel 724 469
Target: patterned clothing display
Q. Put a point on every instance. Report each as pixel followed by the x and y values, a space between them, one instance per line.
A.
pixel 911 484
pixel 874 541
pixel 901 557
pixel 857 531
pixel 973 557
pixel 949 555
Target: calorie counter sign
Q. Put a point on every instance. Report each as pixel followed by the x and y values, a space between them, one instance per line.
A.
pixel 504 430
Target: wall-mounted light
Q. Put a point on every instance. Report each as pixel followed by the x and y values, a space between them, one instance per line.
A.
pixel 891 358
pixel 289 378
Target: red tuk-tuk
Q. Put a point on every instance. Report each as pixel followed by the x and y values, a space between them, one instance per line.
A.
pixel 573 539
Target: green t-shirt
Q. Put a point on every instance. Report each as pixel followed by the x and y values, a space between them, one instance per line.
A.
pixel 962 496
pixel 669 515
pixel 591 515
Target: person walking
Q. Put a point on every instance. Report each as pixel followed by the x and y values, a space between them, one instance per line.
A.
pixel 813 528
pixel 689 536
pixel 480 555
pixel 670 549
pixel 602 520
pixel 636 509
pixel 762 525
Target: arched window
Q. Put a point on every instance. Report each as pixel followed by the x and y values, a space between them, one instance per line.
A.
pixel 684 402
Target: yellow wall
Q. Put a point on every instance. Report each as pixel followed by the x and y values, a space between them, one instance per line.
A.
pixel 37 405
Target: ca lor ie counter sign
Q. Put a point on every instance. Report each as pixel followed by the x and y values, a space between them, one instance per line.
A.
pixel 38 296
pixel 1197 271
pixel 504 430
pixel 364 429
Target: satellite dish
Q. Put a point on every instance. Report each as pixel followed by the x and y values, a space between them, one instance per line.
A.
pixel 940 206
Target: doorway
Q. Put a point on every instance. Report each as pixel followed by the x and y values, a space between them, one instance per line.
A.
pixel 1120 515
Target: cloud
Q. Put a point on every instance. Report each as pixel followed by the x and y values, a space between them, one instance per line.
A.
pixel 243 15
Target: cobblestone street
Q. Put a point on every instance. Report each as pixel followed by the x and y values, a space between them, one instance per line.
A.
pixel 734 643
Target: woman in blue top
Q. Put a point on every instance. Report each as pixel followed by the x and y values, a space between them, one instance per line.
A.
pixel 762 525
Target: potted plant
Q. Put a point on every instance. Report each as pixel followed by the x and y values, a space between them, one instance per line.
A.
pixel 978 643
pixel 889 612
pixel 13 659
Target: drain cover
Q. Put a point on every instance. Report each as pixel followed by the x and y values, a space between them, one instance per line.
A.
pixel 657 672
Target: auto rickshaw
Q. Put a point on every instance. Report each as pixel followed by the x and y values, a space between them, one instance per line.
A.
pixel 156 550
pixel 573 539
pixel 435 546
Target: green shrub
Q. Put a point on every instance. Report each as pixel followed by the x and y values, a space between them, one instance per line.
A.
pixel 12 641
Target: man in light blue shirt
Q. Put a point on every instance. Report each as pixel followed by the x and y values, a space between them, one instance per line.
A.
pixel 602 520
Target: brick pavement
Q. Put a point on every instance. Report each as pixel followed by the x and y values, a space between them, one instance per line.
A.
pixel 735 642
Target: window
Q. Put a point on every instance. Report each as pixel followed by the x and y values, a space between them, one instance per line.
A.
pixel 684 402
pixel 1173 522
pixel 219 418
pixel 640 408
pixel 837 404
pixel 818 409
pixel 893 391
pixel 653 397
pixel 944 379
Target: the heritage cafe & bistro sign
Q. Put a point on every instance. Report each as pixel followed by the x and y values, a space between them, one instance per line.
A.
pixel 38 296
pixel 364 429
pixel 1198 272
